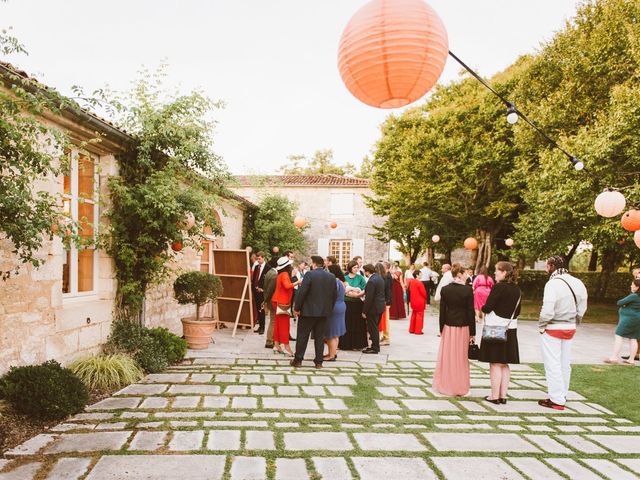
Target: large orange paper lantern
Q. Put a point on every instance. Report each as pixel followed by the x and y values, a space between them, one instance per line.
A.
pixel 299 222
pixel 609 203
pixel 176 246
pixel 392 52
pixel 631 220
pixel 471 243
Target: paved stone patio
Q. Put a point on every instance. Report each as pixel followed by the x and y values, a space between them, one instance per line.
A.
pixel 229 415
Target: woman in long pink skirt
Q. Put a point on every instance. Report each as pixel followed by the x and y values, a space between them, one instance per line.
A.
pixel 482 286
pixel 458 330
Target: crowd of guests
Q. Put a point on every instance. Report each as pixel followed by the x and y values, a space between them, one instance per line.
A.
pixel 350 310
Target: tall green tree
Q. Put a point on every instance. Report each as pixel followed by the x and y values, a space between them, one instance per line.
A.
pixel 271 225
pixel 321 162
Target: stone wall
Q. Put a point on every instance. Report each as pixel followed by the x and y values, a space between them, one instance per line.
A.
pixel 314 203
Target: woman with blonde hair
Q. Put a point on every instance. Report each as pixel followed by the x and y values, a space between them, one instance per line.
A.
pixel 458 330
pixel 501 312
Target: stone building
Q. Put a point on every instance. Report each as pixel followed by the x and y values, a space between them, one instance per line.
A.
pixel 339 222
pixel 64 308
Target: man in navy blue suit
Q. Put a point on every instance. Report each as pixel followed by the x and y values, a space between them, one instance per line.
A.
pixel 314 303
pixel 374 305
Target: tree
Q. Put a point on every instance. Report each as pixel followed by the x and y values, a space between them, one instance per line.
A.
pixel 320 163
pixel 271 225
pixel 30 151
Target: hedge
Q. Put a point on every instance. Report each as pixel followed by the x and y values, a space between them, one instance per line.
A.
pixel 532 283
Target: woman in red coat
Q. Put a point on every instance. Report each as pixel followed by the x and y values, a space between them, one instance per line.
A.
pixel 282 296
pixel 418 298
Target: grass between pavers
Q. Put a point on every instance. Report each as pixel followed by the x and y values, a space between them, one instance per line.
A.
pixel 616 387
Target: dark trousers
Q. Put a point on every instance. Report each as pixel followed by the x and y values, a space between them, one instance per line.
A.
pixel 258 298
pixel 305 326
pixel 373 325
pixel 427 287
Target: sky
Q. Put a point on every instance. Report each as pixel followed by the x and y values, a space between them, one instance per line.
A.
pixel 272 62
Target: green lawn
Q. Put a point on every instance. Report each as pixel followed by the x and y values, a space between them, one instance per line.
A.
pixel 616 387
pixel 596 312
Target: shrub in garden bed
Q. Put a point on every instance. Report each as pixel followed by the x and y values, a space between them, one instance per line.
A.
pixel 153 348
pixel 46 391
pixel 106 373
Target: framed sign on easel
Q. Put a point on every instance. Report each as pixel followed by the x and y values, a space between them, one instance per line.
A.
pixel 236 303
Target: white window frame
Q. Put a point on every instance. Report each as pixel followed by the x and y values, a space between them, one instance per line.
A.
pixel 73 293
pixel 341 241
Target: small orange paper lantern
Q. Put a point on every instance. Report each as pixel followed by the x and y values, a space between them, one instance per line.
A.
pixel 176 246
pixel 392 52
pixel 470 243
pixel 299 222
pixel 333 225
pixel 636 238
pixel 631 220
pixel 609 203
pixel 275 249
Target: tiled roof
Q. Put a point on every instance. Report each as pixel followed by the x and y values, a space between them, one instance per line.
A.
pixel 321 180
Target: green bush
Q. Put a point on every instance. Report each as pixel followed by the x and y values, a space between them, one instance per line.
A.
pixel 197 288
pixel 47 391
pixel 134 339
pixel 174 346
pixel 532 283
pixel 107 372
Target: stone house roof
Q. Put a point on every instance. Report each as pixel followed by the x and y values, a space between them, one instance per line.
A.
pixel 319 180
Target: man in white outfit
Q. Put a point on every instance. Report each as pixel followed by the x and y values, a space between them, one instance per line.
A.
pixel 446 279
pixel 563 306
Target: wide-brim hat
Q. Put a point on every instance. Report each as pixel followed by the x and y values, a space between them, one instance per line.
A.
pixel 283 262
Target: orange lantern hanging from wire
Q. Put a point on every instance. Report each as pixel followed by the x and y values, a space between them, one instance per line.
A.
pixel 392 52
pixel 300 222
pixel 333 225
pixel 630 221
pixel 471 243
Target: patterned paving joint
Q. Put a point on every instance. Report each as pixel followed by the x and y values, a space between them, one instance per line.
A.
pixel 253 418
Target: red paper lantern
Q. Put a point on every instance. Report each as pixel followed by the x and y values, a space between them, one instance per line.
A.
pixel 333 225
pixel 470 243
pixel 176 246
pixel 299 222
pixel 636 238
pixel 392 52
pixel 631 220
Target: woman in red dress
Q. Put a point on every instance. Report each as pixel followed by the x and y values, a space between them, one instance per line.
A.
pixel 397 311
pixel 282 296
pixel 418 299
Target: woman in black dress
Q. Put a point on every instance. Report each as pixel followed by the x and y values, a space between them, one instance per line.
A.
pixel 502 309
pixel 355 337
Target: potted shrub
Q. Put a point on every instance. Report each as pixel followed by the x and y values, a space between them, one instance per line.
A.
pixel 197 288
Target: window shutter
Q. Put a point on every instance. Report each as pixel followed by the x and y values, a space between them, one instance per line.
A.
pixel 357 248
pixel 323 247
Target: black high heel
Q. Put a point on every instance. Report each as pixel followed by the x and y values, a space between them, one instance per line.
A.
pixel 503 401
pixel 495 401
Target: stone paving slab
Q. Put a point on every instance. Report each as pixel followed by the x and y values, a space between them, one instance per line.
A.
pixel 618 443
pixel 331 441
pixel 332 468
pixel 429 405
pixel 476 468
pixel 291 469
pixel 143 389
pixel 224 440
pixel 609 469
pixel 88 442
pixel 572 469
pixel 479 442
pixel 23 472
pixel 391 442
pixel 248 468
pixel 373 468
pixel 116 403
pixel 159 467
pixel 31 446
pixel 148 440
pixel 632 464
pixel 534 468
pixel 70 468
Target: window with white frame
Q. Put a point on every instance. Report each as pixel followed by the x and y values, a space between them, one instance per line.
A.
pixel 341 249
pixel 342 204
pixel 80 203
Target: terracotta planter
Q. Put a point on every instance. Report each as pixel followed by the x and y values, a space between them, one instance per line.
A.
pixel 198 333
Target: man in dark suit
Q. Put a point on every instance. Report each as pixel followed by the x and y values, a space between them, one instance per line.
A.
pixel 314 303
pixel 374 305
pixel 257 284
